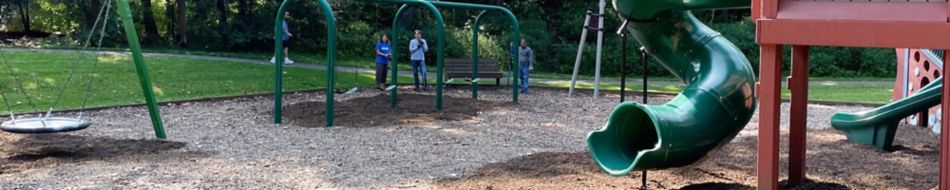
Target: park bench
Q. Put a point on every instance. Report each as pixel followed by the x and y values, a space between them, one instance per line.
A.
pixel 459 68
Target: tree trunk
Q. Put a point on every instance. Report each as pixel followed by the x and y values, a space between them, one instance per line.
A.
pixel 91 13
pixel 25 16
pixel 221 5
pixel 169 27
pixel 148 17
pixel 244 9
pixel 182 22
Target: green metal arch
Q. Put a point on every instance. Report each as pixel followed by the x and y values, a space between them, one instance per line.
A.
pixel 331 60
pixel 516 26
pixel 440 49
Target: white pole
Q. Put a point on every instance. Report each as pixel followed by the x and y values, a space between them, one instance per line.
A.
pixel 600 46
pixel 580 52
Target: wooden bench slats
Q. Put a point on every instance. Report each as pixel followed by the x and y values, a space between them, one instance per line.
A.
pixel 462 68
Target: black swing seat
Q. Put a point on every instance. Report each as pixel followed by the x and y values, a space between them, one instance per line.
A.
pixel 44 125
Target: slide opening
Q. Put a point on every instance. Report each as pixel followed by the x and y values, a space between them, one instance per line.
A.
pixel 630 131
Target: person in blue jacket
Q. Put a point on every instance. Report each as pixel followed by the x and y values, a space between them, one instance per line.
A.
pixel 417 54
pixel 383 57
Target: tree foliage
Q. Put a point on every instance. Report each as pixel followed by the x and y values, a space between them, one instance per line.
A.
pixel 552 27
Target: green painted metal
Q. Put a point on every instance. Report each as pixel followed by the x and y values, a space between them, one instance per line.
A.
pixel 878 126
pixel 431 5
pixel 440 53
pixel 475 28
pixel 279 63
pixel 125 13
pixel 717 103
pixel 516 36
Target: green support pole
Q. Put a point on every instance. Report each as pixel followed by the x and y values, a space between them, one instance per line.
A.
pixel 515 37
pixel 331 60
pixel 125 13
pixel 440 48
pixel 478 20
pixel 278 63
pixel 393 97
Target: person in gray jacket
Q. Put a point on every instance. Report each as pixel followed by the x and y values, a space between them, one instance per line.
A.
pixel 526 63
pixel 417 55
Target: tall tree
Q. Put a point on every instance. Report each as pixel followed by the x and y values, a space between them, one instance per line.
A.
pixel 182 22
pixel 90 13
pixel 148 17
pixel 169 27
pixel 24 8
pixel 222 7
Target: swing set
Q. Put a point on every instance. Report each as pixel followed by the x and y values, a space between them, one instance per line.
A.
pixel 440 54
pixel 47 121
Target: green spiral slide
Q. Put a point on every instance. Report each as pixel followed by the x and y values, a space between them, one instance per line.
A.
pixel 717 103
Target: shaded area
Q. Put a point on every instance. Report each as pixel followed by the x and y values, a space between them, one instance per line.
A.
pixel 376 111
pixel 36 151
pixel 832 163
pixel 811 184
pixel 717 186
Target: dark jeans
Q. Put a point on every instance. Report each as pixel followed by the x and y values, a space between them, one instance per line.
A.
pixel 419 66
pixel 524 71
pixel 381 71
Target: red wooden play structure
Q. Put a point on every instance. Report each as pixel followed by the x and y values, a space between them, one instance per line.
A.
pixel 805 23
pixel 917 68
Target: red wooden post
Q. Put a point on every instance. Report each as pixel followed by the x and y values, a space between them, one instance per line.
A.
pixel 769 9
pixel 770 74
pixel 756 9
pixel 945 132
pixel 798 84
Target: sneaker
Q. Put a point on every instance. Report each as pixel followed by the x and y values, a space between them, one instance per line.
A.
pixel 272 60
pixel 287 61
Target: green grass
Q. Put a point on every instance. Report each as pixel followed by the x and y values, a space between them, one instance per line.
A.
pixel 43 75
pixel 175 78
pixel 876 91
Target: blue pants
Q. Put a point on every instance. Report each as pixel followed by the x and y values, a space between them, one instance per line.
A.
pixel 417 67
pixel 523 75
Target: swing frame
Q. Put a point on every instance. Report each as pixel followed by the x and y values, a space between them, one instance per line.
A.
pixel 49 124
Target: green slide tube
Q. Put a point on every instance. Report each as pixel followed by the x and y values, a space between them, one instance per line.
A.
pixel 878 126
pixel 717 103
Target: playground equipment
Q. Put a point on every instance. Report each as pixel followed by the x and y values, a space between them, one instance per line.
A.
pixel 52 124
pixel 279 65
pixel 878 126
pixel 917 68
pixel 918 98
pixel 717 103
pixel 431 6
pixel 440 55
pixel 597 20
pixel 883 24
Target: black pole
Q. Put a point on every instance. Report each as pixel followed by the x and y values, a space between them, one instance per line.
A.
pixel 643 60
pixel 623 60
pixel 623 66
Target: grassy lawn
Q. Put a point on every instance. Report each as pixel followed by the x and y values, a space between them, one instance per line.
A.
pixel 873 91
pixel 43 75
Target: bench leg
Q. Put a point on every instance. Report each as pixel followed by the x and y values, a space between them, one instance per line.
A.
pixel 497 81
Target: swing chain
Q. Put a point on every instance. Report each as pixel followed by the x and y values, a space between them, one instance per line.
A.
pixel 86 44
pixel 95 65
pixel 18 82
